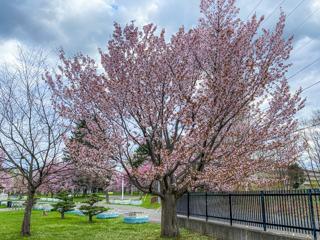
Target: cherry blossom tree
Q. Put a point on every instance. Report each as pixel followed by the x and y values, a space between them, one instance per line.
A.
pixel 212 105
pixel 30 130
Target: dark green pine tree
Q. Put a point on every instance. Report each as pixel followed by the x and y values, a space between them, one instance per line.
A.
pixel 296 175
pixel 77 135
pixel 140 156
pixel 90 209
pixel 65 204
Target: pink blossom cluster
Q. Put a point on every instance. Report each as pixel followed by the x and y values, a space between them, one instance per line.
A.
pixel 60 178
pixel 6 182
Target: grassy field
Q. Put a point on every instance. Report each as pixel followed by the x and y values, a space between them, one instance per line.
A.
pixel 146 202
pixel 74 227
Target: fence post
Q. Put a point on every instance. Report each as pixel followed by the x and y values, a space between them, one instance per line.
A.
pixel 263 211
pixel 188 204
pixel 230 209
pixel 206 206
pixel 312 220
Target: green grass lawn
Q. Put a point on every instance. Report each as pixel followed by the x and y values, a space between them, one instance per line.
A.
pixel 146 202
pixel 74 227
pixel 79 199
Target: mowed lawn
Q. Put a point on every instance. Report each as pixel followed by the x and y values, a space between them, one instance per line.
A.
pixel 74 227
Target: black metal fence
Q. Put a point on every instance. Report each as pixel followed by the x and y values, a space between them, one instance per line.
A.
pixel 293 211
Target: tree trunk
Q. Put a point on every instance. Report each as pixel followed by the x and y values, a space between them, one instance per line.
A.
pixel 62 215
pixel 85 192
pixel 169 223
pixel 107 196
pixel 25 228
pixel 90 218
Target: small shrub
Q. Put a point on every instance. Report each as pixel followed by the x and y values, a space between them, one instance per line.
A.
pixel 90 209
pixel 65 204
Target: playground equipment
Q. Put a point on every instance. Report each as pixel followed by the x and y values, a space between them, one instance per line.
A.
pixel 107 215
pixel 136 218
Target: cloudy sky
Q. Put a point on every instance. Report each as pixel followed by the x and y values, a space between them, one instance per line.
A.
pixel 85 25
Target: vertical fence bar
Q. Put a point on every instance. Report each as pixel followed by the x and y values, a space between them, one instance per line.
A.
pixel 304 208
pixel 206 206
pixel 230 209
pixel 316 197
pixel 256 209
pixel 188 204
pixel 291 211
pixel 263 211
pixel 295 209
pixel 312 220
pixel 286 207
pixel 282 210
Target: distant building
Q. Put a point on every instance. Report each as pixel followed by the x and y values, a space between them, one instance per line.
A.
pixel 312 179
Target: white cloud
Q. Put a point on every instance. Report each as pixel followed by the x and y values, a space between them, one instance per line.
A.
pixel 8 50
pixel 143 14
pixel 77 8
pixel 315 4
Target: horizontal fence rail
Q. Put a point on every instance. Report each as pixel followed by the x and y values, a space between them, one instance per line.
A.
pixel 292 211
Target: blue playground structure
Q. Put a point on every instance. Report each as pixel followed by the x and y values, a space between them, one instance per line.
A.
pixel 107 215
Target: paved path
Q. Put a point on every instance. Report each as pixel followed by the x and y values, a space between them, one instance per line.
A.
pixel 125 197
pixel 6 209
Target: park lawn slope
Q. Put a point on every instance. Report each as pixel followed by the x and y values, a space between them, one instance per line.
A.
pixel 74 227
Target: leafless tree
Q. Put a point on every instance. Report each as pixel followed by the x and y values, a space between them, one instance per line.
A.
pixel 311 138
pixel 30 130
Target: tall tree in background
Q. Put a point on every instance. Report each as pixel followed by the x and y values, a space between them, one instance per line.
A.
pixel 212 105
pixel 93 168
pixel 311 137
pixel 30 130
